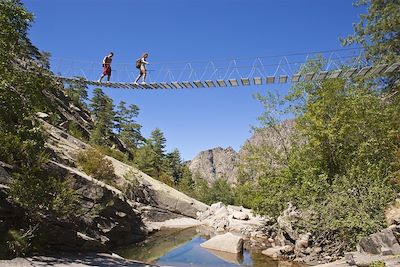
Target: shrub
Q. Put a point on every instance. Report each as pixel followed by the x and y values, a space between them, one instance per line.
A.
pixel 96 165
pixel 377 264
pixel 244 194
pixel 75 131
pixel 18 242
pixel 116 154
pixel 51 196
pixel 130 189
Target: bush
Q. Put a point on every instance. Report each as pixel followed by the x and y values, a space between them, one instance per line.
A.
pixel 19 242
pixel 377 264
pixel 96 165
pixel 41 194
pixel 130 189
pixel 75 131
pixel 114 153
pixel 245 194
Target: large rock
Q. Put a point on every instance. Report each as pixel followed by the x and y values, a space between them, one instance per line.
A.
pixel 286 221
pixel 276 252
pixel 216 163
pixel 106 215
pixel 392 213
pixel 302 243
pixel 216 206
pixel 5 178
pixel 227 242
pixel 240 215
pixel 382 242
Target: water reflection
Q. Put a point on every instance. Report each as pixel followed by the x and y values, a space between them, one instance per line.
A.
pixel 177 247
pixel 158 244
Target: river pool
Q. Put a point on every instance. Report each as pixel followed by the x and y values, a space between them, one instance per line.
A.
pixel 177 247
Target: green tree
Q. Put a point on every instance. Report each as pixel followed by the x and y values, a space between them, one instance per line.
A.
pixel 25 87
pixel 102 109
pixel 77 92
pixel 378 30
pixel 127 128
pixel 157 144
pixel 186 184
pixel 174 166
pixel 220 191
pixel 145 160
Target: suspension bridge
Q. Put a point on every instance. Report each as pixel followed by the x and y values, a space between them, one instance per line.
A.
pixel 262 70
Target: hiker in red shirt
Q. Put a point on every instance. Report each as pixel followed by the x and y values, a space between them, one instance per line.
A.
pixel 107 67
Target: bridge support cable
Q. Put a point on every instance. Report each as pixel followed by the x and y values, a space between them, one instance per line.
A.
pixel 345 63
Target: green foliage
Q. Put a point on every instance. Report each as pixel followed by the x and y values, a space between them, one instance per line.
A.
pixel 130 189
pixel 245 194
pixel 344 171
pixel 152 159
pixel 186 184
pixel 128 129
pixel 21 138
pixel 21 145
pixel 377 264
pixel 96 165
pixel 378 30
pixel 18 242
pixel 342 174
pixel 145 160
pixel 77 93
pixel 51 196
pixel 102 108
pixel 114 153
pixel 201 190
pixel 75 131
pixel 220 191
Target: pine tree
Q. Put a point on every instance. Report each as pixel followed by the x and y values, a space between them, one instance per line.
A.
pixel 127 128
pixel 77 92
pixel 174 165
pixel 102 109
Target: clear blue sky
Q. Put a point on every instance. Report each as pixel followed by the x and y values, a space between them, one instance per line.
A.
pixel 170 30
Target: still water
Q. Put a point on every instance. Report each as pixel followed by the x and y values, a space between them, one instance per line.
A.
pixel 177 247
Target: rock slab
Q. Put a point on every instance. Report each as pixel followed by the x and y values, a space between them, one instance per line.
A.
pixel 227 242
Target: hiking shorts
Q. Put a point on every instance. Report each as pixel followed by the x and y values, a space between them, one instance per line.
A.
pixel 107 70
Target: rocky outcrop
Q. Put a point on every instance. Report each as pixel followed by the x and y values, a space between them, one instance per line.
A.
pixel 277 137
pixel 104 211
pixel 74 260
pixel 215 164
pixel 152 192
pixel 223 163
pixel 277 251
pixel 230 218
pixel 227 242
pixel 383 242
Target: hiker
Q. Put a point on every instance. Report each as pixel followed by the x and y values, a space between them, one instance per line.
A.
pixel 141 65
pixel 107 67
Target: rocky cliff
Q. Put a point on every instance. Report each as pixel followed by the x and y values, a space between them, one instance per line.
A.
pixel 215 163
pixel 223 163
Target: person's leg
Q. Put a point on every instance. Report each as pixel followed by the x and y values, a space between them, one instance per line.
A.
pixel 108 73
pixel 104 73
pixel 143 71
pixel 138 77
